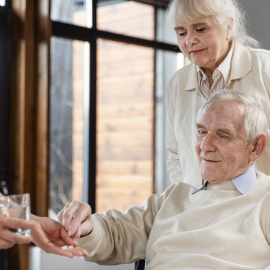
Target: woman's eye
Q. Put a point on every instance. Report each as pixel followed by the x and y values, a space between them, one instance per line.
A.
pixel 181 34
pixel 200 30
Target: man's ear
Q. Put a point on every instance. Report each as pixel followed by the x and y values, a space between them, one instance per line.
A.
pixel 259 145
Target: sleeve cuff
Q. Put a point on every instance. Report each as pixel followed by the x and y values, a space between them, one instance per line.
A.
pixel 89 240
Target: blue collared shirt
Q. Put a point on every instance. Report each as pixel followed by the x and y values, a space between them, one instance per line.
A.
pixel 244 182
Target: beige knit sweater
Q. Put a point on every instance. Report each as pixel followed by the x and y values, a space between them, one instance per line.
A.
pixel 217 228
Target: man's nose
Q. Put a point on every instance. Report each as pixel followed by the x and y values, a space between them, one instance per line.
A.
pixel 208 143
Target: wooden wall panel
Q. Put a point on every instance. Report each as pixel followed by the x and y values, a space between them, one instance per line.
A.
pixel 125 110
pixel 29 109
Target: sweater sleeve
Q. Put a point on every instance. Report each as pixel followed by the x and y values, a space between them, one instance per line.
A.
pixel 265 216
pixel 173 163
pixel 119 238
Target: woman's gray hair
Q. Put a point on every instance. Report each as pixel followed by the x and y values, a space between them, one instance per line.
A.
pixel 255 118
pixel 223 10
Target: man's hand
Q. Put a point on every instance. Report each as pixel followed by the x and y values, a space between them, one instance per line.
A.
pixel 76 219
pixel 51 236
pixel 9 238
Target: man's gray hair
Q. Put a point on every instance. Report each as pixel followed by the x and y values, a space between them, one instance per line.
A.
pixel 223 10
pixel 255 118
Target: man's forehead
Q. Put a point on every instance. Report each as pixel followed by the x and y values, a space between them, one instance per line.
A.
pixel 222 115
pixel 225 109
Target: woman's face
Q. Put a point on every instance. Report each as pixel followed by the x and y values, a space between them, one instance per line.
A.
pixel 204 42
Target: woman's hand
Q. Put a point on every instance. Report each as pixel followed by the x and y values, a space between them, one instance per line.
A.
pixel 9 238
pixel 51 236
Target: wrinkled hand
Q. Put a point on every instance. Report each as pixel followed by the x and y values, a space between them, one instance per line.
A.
pixel 9 238
pixel 76 219
pixel 51 236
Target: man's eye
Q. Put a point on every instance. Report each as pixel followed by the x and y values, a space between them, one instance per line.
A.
pixel 222 136
pixel 202 132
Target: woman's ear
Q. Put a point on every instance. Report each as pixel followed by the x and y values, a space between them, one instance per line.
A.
pixel 229 28
pixel 259 145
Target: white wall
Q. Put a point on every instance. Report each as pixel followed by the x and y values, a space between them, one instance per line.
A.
pixel 258 19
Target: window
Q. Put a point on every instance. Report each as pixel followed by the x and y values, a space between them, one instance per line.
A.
pixel 69 118
pixel 109 71
pixel 122 18
pixel 125 123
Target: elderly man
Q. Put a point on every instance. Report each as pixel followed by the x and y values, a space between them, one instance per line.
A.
pixel 223 225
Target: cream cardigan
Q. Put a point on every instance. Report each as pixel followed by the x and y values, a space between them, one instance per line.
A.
pixel 250 74
pixel 217 228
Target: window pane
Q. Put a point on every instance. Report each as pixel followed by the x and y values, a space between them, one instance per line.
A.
pixel 165 29
pixel 72 12
pixel 125 116
pixel 129 18
pixel 67 122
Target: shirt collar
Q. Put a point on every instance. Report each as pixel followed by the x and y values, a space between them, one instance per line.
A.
pixel 223 68
pixel 244 182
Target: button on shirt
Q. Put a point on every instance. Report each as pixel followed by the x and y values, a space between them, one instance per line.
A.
pixel 220 76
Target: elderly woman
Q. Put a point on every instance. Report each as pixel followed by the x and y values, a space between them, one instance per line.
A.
pixel 212 35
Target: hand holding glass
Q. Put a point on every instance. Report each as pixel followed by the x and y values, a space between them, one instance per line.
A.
pixel 16 206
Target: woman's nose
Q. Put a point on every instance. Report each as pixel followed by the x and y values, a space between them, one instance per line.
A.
pixel 191 39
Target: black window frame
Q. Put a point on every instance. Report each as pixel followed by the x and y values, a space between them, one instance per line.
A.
pixel 91 35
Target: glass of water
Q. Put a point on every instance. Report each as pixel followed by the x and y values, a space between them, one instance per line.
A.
pixel 16 206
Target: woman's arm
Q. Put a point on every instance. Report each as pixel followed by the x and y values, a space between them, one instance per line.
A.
pixel 173 163
pixel 51 236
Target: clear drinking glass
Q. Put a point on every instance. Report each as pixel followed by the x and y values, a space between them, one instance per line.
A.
pixel 16 206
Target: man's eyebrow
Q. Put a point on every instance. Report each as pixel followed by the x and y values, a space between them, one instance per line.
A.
pixel 219 130
pixel 224 131
pixel 198 125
